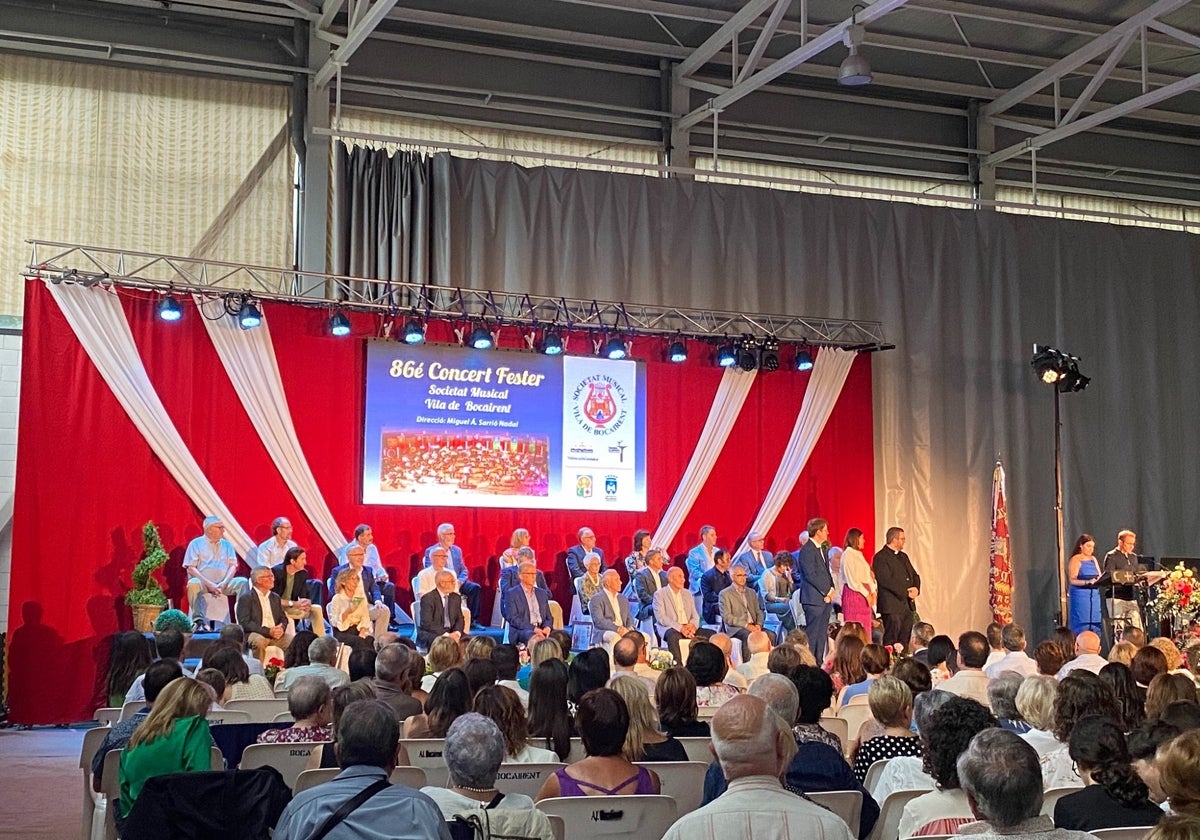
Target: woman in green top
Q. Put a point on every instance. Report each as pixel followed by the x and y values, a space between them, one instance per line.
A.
pixel 174 738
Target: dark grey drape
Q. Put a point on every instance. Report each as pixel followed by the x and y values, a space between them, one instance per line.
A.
pixel 963 294
pixel 390 217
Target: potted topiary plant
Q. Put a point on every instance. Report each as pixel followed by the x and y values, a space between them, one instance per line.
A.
pixel 147 597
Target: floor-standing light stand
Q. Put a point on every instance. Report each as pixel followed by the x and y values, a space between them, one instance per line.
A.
pixel 1061 370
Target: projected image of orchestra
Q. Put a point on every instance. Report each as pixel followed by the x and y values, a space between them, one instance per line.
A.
pixel 483 464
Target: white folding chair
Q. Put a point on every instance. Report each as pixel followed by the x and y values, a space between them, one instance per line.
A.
pixel 260 711
pixel 683 781
pixel 228 716
pixel 429 755
pixel 91 743
pixel 524 778
pixel 887 827
pixel 577 752
pixel 412 777
pixel 110 786
pixel 643 817
pixel 847 804
pixel 132 707
pixel 873 774
pixel 283 717
pixel 107 715
pixel 289 759
pixel 835 726
pixel 855 715
pixel 697 749
pixel 1137 833
pixel 558 825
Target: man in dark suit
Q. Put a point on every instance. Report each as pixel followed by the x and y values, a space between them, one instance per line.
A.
pixel 899 586
pixel 816 593
pixel 576 553
pixel 261 615
pixel 356 557
pixel 648 581
pixel 441 611
pixel 711 583
pixel 291 585
pixel 469 588
pixel 527 607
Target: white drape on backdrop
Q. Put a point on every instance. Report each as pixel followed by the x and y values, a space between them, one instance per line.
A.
pixel 830 370
pixel 722 414
pixel 96 316
pixel 249 360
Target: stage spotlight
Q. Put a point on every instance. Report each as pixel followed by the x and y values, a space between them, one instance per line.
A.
pixel 804 360
pixel 413 333
pixel 168 309
pixel 250 316
pixel 615 348
pixel 768 357
pixel 552 343
pixel 677 352
pixel 1049 364
pixel 1072 381
pixel 339 324
pixel 747 354
pixel 481 339
pixel 726 355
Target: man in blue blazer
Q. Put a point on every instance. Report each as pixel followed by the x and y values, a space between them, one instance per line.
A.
pixel 755 560
pixel 700 558
pixel 648 581
pixel 609 610
pixel 468 587
pixel 576 553
pixel 527 608
pixel 356 556
pixel 816 592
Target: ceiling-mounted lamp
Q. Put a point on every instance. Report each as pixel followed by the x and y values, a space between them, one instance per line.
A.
pixel 413 332
pixel 726 355
pixel 677 351
pixel 551 343
pixel 169 309
pixel 615 348
pixel 339 324
pixel 481 339
pixel 855 70
pixel 250 315
pixel 804 359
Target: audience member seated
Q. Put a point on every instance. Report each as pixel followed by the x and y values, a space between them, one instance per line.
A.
pixel 1179 767
pixel 444 654
pixel 995 640
pixel 174 738
pixel 1184 715
pixel 943 659
pixel 480 674
pixel 501 705
pixel 342 698
pixel 1143 744
pixel 1087 655
pixel 999 773
pixel 539 652
pixel 322 654
pixel 1048 657
pixel 215 680
pixel 441 611
pixel 675 614
pixel 361 663
pixel 970 681
pixel 741 613
pixel 675 698
pixel 586 671
pixel 349 613
pixel 507 660
pixel 713 582
pixel 815 689
pixel 918 645
pixel 449 699
pixel 168 646
pixel 1002 699
pixel 1166 689
pixel 786 658
pixel 648 581
pixel 550 722
pixel 310 703
pixel 1080 694
pixel 129 659
pixel 1131 706
pixel 243 685
pixel 845 668
pixel 603 721
pixel 645 741
pixel 626 654
pixel 157 677
pixel 577 552
pixel 1176 661
pixel 1015 658
pixel 753 748
pixel 367 738
pixel 951 728
pixel 1147 664
pixel 1136 636
pixel 1123 652
pixel 758 645
pixel 479 647
pixel 589 583
pixel 708 665
pixel 236 636
pixel 291 585
pixel 876 660
pixel 260 614
pixel 392 682
pixel 1114 796
pixel 296 654
pixel 732 677
pixel 527 607
pixel 1064 637
pixel 915 675
pixel 1035 701
pixel 474 751
pixel 908 772
pixel 891 706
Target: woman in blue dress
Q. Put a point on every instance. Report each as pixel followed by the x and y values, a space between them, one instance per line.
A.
pixel 1083 603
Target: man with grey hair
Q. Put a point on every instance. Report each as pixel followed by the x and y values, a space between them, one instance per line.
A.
pixel 211 564
pixel 310 703
pixel 758 645
pixel 261 615
pixel 1012 639
pixel 392 681
pixel 1002 778
pixel 780 693
pixel 753 746
pixel 922 635
pixel 527 607
pixel 468 588
pixel 576 553
pixel 368 736
pixel 609 610
pixel 1002 697
pixel 322 654
pixel 441 611
pixel 756 560
pixel 364 536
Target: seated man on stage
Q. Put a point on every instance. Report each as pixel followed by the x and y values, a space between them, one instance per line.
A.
pixel 712 583
pixel 576 553
pixel 356 558
pixel 775 587
pixel 755 560
pixel 270 553
pixel 527 607
pixel 702 557
pixel 211 563
pixel 468 588
pixel 740 609
pixel 441 611
pixel 675 614
pixel 648 581
pixel 261 615
pixel 291 585
pixel 610 611
pixel 439 559
pixel 509 579
pixel 365 537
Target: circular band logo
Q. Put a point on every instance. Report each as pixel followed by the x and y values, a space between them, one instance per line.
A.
pixel 599 402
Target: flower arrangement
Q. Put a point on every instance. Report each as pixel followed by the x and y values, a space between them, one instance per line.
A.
pixel 659 659
pixel 176 619
pixel 1178 597
pixel 896 650
pixel 272 668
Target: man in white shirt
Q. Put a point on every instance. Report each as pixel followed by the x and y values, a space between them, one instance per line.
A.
pixel 970 681
pixel 365 537
pixel 754 746
pixel 995 639
pixel 211 563
pixel 675 614
pixel 1015 658
pixel 261 614
pixel 271 552
pixel 609 610
pixel 1087 655
pixel 759 646
pixel 439 558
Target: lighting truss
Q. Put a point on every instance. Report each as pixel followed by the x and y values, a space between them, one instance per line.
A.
pixel 216 278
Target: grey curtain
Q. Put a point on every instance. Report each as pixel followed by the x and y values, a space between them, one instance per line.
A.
pixel 964 295
pixel 389 217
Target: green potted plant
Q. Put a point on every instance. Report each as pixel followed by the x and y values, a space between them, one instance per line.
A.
pixel 147 597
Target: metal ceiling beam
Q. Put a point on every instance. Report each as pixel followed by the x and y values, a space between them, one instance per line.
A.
pixel 360 29
pixel 1080 57
pixel 725 34
pixel 796 57
pixel 1093 85
pixel 764 39
pixel 305 7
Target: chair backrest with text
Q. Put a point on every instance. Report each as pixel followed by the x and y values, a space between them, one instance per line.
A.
pixel 429 755
pixel 289 759
pixel 524 778
pixel 642 817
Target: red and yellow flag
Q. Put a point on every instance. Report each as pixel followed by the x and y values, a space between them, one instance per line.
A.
pixel 1000 577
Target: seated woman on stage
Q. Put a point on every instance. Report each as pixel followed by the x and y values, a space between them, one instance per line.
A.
pixel 350 616
pixel 1083 602
pixel 520 539
pixel 589 584
pixel 637 558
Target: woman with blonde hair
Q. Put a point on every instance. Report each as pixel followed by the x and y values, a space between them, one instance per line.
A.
pixel 1035 702
pixel 479 647
pixel 444 654
pixel 520 539
pixel 350 615
pixel 645 741
pixel 174 738
pixel 1176 662
pixel 1122 652
pixel 891 705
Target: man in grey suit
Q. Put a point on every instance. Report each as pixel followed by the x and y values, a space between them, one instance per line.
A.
pixel 610 611
pixel 816 592
pixel 740 609
pixel 755 560
pixel 675 614
pixel 648 581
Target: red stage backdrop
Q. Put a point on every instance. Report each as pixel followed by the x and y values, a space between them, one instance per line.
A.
pixel 87 481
